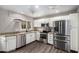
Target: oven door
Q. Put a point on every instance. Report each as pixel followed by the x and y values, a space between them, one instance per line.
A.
pixel 43 36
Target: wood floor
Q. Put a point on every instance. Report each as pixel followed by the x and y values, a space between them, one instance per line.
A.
pixel 38 47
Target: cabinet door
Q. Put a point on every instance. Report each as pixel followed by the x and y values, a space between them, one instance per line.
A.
pixel 18 41
pixel 50 41
pixel 2 43
pixel 51 23
pixel 74 18
pixel 74 39
pixel 11 43
pixel 32 37
pixel 37 35
pixel 28 38
pixel 50 38
pixel 37 23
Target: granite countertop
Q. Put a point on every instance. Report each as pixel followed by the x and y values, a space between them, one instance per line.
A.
pixel 16 33
pixel 12 33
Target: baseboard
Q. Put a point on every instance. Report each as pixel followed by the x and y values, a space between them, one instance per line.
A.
pixel 20 47
pixel 43 42
pixel 50 44
pixel 7 51
pixel 3 52
pixel 31 42
pixel 61 49
pixel 73 51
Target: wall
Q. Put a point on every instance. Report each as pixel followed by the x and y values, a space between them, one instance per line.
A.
pixel 7 22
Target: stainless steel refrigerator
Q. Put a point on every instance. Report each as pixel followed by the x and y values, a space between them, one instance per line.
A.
pixel 61 34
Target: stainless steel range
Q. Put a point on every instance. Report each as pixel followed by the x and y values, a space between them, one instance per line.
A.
pixel 44 33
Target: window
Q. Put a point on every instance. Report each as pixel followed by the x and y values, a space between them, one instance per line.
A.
pixel 23 24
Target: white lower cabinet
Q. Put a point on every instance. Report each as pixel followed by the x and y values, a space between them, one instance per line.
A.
pixel 30 37
pixel 11 43
pixel 74 39
pixel 38 36
pixel 50 38
pixel 2 43
pixel 28 40
pixel 7 43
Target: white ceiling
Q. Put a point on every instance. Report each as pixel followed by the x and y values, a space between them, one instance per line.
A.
pixel 39 10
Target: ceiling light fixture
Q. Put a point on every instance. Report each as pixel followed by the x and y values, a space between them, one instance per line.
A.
pixel 57 11
pixel 52 6
pixel 36 6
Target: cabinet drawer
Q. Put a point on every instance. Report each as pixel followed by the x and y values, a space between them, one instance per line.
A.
pixel 50 39
pixel 50 42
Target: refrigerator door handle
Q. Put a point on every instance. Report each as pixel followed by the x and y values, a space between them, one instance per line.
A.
pixel 59 26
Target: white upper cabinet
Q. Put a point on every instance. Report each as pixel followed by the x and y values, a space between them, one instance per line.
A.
pixel 37 23
pixel 74 19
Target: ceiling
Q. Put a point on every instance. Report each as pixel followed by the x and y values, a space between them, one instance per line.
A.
pixel 39 10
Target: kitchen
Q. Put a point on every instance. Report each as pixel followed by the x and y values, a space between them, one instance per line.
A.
pixel 39 28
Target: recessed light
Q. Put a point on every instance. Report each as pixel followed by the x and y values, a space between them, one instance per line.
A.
pixel 36 6
pixel 52 7
pixel 57 11
pixel 22 12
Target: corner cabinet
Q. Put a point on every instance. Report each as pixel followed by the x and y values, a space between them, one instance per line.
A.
pixel 7 43
pixel 11 43
pixel 74 31
pixel 30 37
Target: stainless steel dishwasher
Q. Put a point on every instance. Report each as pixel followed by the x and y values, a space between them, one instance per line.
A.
pixel 23 39
pixel 20 40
